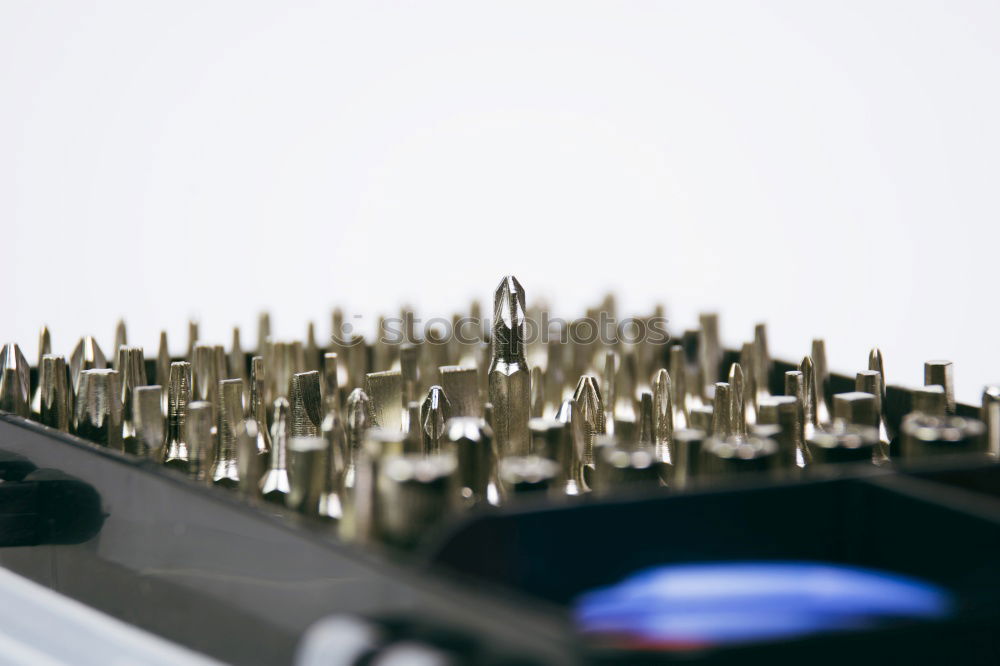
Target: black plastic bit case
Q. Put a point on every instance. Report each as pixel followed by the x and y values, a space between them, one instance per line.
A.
pixel 241 581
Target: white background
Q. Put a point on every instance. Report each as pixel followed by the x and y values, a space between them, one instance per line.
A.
pixel 830 168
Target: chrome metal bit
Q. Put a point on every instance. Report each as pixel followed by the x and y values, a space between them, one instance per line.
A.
pixel 709 352
pixel 722 422
pixel 646 437
pixel 275 484
pixel 509 379
pixel 237 359
pixel 434 412
pixel 147 414
pixel 741 399
pixel 132 374
pixel 740 455
pixel 810 397
pixel 200 442
pixel 306 400
pixel 56 398
pixel 264 332
pixel 821 379
pixel 570 448
pixel 409 356
pixel 862 409
pixel 762 362
pixel 225 469
pixel 121 339
pixel 795 386
pixel 844 443
pixel 87 355
pixel 385 391
pixel 461 385
pixel 307 467
pixel 414 493
pixel 924 436
pixel 678 387
pixel 250 464
pixel 193 338
pixel 702 417
pixel 870 381
pixel 15 382
pixel 176 453
pixel 311 351
pixel 688 445
pixel 930 400
pixel 530 476
pixel 747 364
pixel 356 425
pixel 990 415
pixel 609 388
pixel 99 408
pixel 617 468
pixel 44 347
pixel 258 403
pixel 663 417
pixel 785 411
pixel 537 400
pixel 941 373
pixel 331 382
pixel 163 364
pixel 205 376
pixel 472 443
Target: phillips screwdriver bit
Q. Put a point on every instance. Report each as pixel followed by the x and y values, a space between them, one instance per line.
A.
pixel 509 380
pixel 175 451
pixel 434 412
pixel 924 436
pixel 99 408
pixel 132 374
pixel 738 402
pixel 306 403
pixel 843 443
pixel 44 347
pixel 663 417
pixel 810 397
pixel 275 484
pixel 15 382
pixel 930 400
pixel 941 373
pixel 258 403
pixel 225 469
pixel 147 415
pixel 200 442
pixel 56 406
pixel 385 394
pixel 307 469
pixel 990 415
pixel 461 385
pixel 87 355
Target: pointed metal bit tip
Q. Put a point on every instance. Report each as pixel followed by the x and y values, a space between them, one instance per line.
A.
pixel 131 366
pixel 55 396
pixel 15 382
pixel 434 413
pixel 99 408
pixel 508 321
pixel 87 355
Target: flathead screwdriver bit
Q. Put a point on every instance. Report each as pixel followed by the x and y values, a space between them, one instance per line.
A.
pixel 99 408
pixel 44 347
pixel 147 415
pixel 385 392
pixel 306 402
pixel 56 398
pixel 461 385
pixel 225 468
pixel 15 382
pixel 509 378
pixel 175 450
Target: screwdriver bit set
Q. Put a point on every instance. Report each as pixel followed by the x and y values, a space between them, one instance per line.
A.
pixel 451 494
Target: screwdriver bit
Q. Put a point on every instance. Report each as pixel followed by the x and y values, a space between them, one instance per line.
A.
pixel 331 383
pixel 702 417
pixel 361 508
pixel 461 385
pixel 15 382
pixel 147 415
pixel 44 347
pixel 56 398
pixel 924 435
pixel 472 444
pixel 677 367
pixel 609 389
pixel 738 402
pixel 990 415
pixel 99 408
pixel 415 492
pixel 200 443
pixel 87 355
pixel 225 469
pixel 688 445
pixel 861 409
pixel 941 373
pixel 844 443
pixel 237 359
pixel 810 397
pixel 762 363
pixel 264 332
pixel 193 339
pixel 163 364
pixel 795 386
pixel 385 394
pixel 258 403
pixel 646 435
pixel 527 476
pixel 311 350
pixel 409 371
pixel 306 403
pixel 739 455
pixel 205 379
pixel 870 381
pixel 121 339
pixel 413 428
pixel 275 484
pixel 307 468
pixel 356 425
pixel 434 412
pixel 747 364
pixel 132 374
pixel 709 352
pixel 509 379
pixel 571 447
pixel 930 400
pixel 537 400
pixel 249 462
pixel 176 453
pixel 784 412
pixel 821 380
pixel 663 417
pixel 722 424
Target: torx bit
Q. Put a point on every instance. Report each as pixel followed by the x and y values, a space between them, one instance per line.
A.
pixel 738 402
pixel 275 484
pixel 15 382
pixel 176 453
pixel 924 435
pixel 509 380
pixel 258 403
pixel 646 436
pixel 409 355
pixel 385 392
pixel 307 469
pixel 307 405
pixel 237 359
pixel 663 417
pixel 87 355
pixel 147 414
pixel 762 362
pixel 843 443
pixel 860 408
pixel 688 444
pixel 461 385
pixel 821 379
pixel 56 398
pixel 132 374
pixel 527 476
pixel 941 373
pixel 44 347
pixel 225 469
pixel 677 367
pixel 472 443
pixel 434 412
pixel 617 467
pixel 537 401
pixel 121 339
pixel 990 415
pixel 200 442
pixel 249 462
pixel 163 364
pixel 193 338
pixel 722 424
pixel 870 381
pixel 930 400
pixel 784 411
pixel 414 493
pixel 739 455
pixel 99 408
